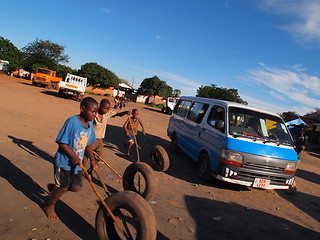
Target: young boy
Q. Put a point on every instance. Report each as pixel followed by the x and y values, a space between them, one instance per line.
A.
pixel 131 128
pixel 74 140
pixel 100 124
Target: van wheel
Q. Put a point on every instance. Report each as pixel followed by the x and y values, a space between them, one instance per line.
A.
pixel 139 177
pixel 203 168
pixel 134 215
pixel 174 147
pixel 159 158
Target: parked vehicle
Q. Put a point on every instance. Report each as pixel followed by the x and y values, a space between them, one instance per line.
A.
pixel 4 65
pixel 46 77
pixel 170 103
pixel 73 85
pixel 234 142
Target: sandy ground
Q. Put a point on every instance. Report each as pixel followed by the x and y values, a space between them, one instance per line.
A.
pixel 185 208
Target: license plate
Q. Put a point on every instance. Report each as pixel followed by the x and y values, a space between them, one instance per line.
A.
pixel 261 183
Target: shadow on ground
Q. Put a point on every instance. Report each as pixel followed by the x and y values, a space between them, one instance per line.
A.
pixel 220 220
pixel 32 190
pixel 181 166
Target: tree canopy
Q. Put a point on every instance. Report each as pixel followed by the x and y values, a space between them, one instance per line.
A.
pixel 215 92
pixel 10 53
pixel 97 74
pixel 156 86
pixel 43 53
pixel 288 115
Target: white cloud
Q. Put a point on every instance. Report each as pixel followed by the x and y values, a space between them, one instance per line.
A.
pixel 288 85
pixel 189 85
pixel 158 37
pixel 105 10
pixel 275 108
pixel 306 24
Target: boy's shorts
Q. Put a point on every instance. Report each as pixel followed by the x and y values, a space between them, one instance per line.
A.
pixel 131 138
pixel 64 178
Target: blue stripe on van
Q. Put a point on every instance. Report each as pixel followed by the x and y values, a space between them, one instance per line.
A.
pixel 262 149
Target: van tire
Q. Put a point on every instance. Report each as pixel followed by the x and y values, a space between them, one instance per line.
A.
pixel 141 212
pixel 203 168
pixel 159 158
pixel 174 147
pixel 146 171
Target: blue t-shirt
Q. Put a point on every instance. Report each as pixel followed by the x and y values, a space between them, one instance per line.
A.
pixel 77 136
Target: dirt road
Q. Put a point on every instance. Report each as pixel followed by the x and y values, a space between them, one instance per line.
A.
pixel 185 208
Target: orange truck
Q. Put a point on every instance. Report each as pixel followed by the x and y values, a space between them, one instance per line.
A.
pixel 46 77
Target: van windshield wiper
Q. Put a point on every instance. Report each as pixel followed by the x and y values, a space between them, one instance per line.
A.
pixel 239 134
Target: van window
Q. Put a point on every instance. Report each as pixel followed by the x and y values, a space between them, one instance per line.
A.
pixel 182 108
pixel 216 118
pixel 256 125
pixel 197 112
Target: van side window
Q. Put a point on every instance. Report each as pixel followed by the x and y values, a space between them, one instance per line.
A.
pixel 216 118
pixel 197 112
pixel 182 107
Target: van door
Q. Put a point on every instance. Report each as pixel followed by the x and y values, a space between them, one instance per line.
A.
pixel 194 118
pixel 213 134
pixel 178 123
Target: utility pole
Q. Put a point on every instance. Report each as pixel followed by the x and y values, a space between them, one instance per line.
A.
pixel 132 82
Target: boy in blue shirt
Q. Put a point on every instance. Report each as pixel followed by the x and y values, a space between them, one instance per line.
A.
pixel 74 140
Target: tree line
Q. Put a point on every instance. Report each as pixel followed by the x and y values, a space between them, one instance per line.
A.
pixel 47 54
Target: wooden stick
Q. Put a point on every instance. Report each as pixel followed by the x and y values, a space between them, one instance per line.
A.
pixel 135 140
pixel 102 182
pixel 113 170
pixel 102 200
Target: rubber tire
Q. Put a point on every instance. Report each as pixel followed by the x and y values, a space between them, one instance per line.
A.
pixel 138 208
pixel 147 173
pixel 203 168
pixel 159 158
pixel 174 147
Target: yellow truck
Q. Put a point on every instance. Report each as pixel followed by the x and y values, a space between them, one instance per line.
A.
pixel 46 77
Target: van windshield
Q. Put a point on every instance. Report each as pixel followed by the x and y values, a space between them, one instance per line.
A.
pixel 258 126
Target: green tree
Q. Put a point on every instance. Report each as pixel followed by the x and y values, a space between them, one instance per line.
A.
pixel 213 91
pixel 10 53
pixel 176 93
pixel 44 53
pixel 97 74
pixel 155 86
pixel 63 70
pixel 288 115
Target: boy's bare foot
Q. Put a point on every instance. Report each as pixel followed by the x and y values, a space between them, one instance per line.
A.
pixel 49 211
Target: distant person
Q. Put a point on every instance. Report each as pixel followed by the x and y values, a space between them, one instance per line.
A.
pixel 74 140
pixel 131 129
pixel 121 102
pixel 100 124
pixel 116 102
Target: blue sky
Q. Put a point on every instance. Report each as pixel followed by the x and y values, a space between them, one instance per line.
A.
pixel 267 49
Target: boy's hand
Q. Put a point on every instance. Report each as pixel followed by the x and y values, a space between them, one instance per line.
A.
pixel 144 132
pixel 75 160
pixel 128 113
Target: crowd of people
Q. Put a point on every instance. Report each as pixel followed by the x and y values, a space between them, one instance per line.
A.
pixel 79 139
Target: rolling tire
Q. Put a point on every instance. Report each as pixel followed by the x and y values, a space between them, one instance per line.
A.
pixel 142 217
pixel 203 168
pixel 148 191
pixel 174 147
pixel 60 93
pixel 159 158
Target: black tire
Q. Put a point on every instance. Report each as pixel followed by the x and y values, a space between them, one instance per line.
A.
pixel 159 158
pixel 146 187
pixel 142 217
pixel 60 92
pixel 174 147
pixel 203 168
